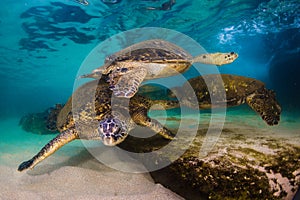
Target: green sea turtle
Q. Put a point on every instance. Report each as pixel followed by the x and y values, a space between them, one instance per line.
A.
pixel 238 89
pixel 150 59
pixel 91 114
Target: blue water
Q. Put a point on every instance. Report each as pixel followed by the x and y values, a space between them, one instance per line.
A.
pixel 43 44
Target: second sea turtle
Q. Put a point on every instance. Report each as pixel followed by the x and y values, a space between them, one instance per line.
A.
pixel 221 90
pixel 233 91
pixel 151 59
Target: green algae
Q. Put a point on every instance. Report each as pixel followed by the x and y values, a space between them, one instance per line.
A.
pixel 240 173
pixel 222 180
pixel 286 162
pixel 35 123
pixel 239 137
pixel 253 153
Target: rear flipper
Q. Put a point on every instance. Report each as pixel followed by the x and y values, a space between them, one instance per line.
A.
pixel 59 141
pixel 265 104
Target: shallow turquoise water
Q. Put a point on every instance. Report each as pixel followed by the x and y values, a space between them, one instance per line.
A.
pixel 43 44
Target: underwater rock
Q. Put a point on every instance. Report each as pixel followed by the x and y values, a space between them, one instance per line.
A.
pixel 35 123
pixel 41 123
pixel 52 117
pixel 242 165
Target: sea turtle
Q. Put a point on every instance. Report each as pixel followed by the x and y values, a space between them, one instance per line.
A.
pixel 91 114
pixel 150 59
pixel 238 90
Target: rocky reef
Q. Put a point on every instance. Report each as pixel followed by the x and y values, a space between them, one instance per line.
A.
pixel 41 123
pixel 246 163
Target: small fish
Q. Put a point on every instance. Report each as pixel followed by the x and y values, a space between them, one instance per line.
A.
pixel 111 1
pixel 82 2
pixel 165 6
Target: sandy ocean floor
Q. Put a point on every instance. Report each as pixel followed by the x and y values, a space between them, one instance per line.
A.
pixel 73 173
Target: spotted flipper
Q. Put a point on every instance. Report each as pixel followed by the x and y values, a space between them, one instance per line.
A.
pixel 128 83
pixel 140 117
pixel 265 104
pixel 157 127
pixel 216 58
pixel 59 141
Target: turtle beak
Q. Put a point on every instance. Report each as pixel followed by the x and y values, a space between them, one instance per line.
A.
pixel 108 141
pixel 114 138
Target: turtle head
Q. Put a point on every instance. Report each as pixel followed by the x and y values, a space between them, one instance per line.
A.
pixel 112 130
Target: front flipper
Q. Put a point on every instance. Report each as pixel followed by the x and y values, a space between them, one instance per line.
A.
pixel 157 127
pixel 216 58
pixel 128 83
pixel 59 141
pixel 141 118
pixel 265 104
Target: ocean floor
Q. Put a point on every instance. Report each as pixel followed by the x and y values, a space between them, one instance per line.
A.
pixel 73 173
